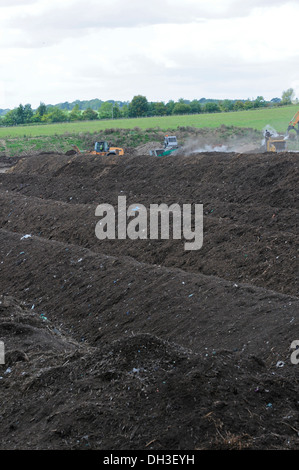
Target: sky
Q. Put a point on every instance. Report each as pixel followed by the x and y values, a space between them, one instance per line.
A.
pixel 53 51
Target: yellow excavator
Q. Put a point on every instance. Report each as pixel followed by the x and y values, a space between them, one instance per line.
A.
pixel 293 123
pixel 101 148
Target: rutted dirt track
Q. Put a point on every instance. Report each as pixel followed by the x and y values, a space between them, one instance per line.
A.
pixel 140 344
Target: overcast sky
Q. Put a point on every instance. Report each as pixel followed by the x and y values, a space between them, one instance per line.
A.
pixel 53 51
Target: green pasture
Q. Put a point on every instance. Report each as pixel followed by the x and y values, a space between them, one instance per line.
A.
pixel 22 140
pixel 278 118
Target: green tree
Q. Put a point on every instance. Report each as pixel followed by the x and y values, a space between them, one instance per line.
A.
pixel 39 113
pixel 169 107
pixel 248 104
pixel 195 107
pixel 181 108
pixel 24 115
pixel 55 115
pixel 288 96
pixel 20 114
pixel 105 111
pixel 42 109
pixel 124 111
pixel 151 111
pixel 27 113
pixel 10 118
pixel 211 108
pixel 138 106
pixel 89 115
pixel 239 105
pixel 259 102
pixel 227 105
pixel 160 108
pixel 75 114
pixel 116 113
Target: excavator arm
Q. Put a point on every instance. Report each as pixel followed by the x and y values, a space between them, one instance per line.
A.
pixel 294 122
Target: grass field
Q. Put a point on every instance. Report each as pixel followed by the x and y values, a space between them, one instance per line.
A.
pixel 278 118
pixel 60 137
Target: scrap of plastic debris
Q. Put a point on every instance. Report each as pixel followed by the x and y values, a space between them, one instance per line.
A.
pixel 25 236
pixel 280 364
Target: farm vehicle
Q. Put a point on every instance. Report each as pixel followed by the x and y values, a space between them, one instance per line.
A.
pixel 274 143
pixel 278 143
pixel 170 145
pixel 101 148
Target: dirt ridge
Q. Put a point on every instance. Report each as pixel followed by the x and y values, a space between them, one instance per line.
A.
pixel 140 345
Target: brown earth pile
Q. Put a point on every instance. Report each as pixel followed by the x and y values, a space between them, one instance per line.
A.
pixel 140 344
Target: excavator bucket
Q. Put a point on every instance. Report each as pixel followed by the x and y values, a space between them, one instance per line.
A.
pixel 290 128
pixel 275 143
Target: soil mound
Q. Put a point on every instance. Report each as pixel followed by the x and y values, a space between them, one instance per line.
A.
pixel 141 344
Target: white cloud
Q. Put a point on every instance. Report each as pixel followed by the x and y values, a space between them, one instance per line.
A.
pixel 56 51
pixel 13 3
pixel 46 22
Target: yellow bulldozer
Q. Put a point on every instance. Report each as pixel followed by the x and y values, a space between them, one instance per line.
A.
pixel 101 148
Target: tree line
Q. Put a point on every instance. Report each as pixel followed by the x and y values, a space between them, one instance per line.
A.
pixel 138 107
